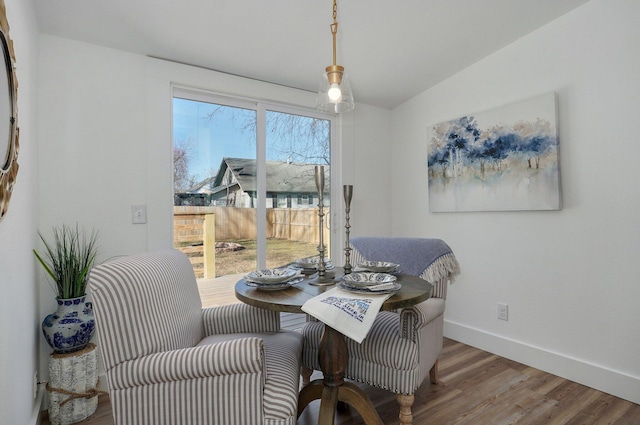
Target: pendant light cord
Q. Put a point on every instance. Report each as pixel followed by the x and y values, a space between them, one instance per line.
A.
pixel 334 29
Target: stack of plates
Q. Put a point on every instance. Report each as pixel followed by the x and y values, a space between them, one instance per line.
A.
pixel 370 282
pixel 378 266
pixel 273 279
pixel 311 263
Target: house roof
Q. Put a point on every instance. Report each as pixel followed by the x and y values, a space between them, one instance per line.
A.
pixel 282 177
pixel 203 186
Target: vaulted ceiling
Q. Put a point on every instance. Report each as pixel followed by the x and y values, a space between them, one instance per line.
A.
pixel 391 50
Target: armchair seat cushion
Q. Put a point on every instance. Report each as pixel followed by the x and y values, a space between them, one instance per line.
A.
pixel 282 352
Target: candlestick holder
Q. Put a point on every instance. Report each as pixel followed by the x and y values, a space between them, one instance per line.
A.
pixel 348 194
pixel 323 278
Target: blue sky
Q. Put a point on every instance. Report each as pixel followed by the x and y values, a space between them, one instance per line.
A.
pixel 211 140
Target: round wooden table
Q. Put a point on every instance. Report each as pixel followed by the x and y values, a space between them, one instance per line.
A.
pixel 333 353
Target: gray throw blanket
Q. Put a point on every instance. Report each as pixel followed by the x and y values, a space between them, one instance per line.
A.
pixel 415 255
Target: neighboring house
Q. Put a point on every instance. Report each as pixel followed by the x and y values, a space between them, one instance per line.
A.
pixel 289 185
pixel 198 195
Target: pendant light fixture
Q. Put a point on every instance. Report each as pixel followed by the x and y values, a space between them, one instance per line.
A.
pixel 334 94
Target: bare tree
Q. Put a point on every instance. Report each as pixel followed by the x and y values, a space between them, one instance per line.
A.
pixel 299 138
pixel 182 179
pixel 292 138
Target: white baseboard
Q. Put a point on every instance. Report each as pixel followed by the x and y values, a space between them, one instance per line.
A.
pixel 595 376
pixel 38 407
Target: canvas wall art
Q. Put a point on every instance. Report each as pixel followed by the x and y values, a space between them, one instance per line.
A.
pixel 504 159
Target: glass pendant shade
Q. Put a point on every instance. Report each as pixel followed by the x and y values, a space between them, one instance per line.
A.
pixel 334 96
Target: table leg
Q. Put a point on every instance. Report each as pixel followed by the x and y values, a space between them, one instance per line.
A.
pixel 333 356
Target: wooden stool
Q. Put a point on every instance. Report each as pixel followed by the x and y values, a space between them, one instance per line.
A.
pixel 73 386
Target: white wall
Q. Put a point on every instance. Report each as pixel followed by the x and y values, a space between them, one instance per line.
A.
pixel 93 163
pixel 571 277
pixel 19 300
pixel 367 166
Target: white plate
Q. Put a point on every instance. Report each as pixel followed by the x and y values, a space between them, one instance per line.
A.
pixel 379 266
pixel 271 275
pixel 311 262
pixel 363 279
pixel 385 288
pixel 275 286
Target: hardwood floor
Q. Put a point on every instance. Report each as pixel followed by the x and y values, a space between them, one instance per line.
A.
pixel 479 388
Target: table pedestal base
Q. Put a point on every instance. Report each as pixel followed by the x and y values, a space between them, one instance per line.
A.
pixel 333 356
pixel 348 393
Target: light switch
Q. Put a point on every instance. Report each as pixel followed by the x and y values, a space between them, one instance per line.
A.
pixel 138 214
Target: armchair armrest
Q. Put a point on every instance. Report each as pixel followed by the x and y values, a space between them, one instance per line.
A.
pixel 241 356
pixel 239 318
pixel 420 315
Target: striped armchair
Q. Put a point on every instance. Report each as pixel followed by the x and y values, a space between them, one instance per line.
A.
pixel 169 361
pixel 402 347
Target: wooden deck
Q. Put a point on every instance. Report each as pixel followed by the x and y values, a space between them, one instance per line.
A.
pixel 220 291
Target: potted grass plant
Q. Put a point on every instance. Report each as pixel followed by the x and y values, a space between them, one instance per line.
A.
pixel 68 259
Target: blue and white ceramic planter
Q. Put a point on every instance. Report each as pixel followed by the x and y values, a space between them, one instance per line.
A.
pixel 71 327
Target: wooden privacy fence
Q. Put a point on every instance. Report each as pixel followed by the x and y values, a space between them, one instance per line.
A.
pixel 197 229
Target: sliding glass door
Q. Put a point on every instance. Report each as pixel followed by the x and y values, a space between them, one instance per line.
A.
pixel 245 195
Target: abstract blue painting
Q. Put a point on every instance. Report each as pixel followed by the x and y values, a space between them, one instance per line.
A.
pixel 504 159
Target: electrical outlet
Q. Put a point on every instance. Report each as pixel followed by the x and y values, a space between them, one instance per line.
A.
pixel 503 311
